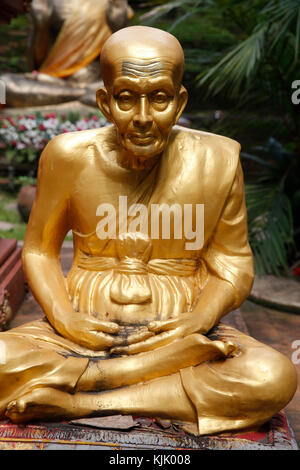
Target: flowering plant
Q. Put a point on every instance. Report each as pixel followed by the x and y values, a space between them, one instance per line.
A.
pixel 24 137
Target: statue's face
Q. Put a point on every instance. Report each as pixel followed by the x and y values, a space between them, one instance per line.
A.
pixel 144 103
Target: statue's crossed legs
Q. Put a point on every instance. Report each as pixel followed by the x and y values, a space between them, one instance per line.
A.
pixel 231 383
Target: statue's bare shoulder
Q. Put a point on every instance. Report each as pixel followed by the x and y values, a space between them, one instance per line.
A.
pixel 73 150
pixel 219 152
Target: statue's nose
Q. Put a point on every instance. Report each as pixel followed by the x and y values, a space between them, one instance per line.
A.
pixel 143 117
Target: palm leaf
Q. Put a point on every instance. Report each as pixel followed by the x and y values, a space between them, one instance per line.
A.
pixel 236 71
pixel 270 226
pixel 190 6
pixel 237 66
pixel 159 11
pixel 282 15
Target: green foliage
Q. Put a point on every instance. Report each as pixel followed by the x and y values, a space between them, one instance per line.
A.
pixel 13 45
pixel 11 215
pixel 270 225
pixel 272 202
pixel 26 180
pixel 262 65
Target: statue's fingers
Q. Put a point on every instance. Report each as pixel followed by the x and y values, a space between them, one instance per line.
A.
pixel 138 337
pixel 106 326
pixel 157 326
pixel 104 340
pixel 148 345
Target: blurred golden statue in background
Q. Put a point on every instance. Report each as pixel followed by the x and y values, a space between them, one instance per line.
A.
pixel 65 41
pixel 67 36
pixel 161 254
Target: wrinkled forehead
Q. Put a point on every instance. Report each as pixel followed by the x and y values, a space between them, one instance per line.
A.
pixel 143 68
pixel 141 63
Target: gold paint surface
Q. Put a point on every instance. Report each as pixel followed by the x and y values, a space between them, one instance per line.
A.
pixel 138 315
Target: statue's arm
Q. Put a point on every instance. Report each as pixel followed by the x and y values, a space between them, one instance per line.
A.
pixel 48 225
pixel 228 259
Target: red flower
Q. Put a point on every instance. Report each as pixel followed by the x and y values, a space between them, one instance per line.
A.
pixel 20 117
pixel 31 116
pixel 11 121
pixel 296 271
pixel 14 143
pixel 22 128
pixel 42 127
pixel 95 118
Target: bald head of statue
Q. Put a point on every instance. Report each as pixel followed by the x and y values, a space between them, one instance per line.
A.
pixel 141 50
pixel 142 69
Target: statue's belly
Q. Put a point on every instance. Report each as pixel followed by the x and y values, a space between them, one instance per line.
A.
pixel 100 293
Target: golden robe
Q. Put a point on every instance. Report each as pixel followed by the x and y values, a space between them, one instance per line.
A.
pixel 139 280
pixel 80 40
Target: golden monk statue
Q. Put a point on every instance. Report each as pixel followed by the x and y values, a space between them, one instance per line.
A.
pixel 68 35
pixel 65 41
pixel 160 256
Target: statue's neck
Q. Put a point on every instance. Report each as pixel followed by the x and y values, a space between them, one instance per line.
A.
pixel 129 161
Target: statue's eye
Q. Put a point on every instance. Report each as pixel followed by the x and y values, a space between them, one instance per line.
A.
pixel 160 100
pixel 125 100
pixel 160 97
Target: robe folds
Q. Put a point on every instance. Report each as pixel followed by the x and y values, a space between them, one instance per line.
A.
pixel 133 278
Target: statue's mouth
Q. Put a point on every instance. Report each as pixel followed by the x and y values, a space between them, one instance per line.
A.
pixel 142 139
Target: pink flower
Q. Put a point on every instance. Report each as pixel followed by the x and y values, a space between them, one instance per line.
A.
pixel 20 117
pixel 95 118
pixel 31 116
pixel 50 115
pixel 79 128
pixel 42 127
pixel 22 128
pixel 86 119
pixel 5 126
pixel 64 131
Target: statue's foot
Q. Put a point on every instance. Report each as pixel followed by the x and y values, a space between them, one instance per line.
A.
pixel 42 403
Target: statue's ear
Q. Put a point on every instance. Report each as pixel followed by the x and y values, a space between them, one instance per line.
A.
pixel 103 102
pixel 182 100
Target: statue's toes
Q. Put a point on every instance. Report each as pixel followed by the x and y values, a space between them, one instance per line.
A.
pixel 42 403
pixel 15 410
pixel 23 409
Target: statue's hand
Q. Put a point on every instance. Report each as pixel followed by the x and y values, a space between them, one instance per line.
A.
pixel 166 332
pixel 90 332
